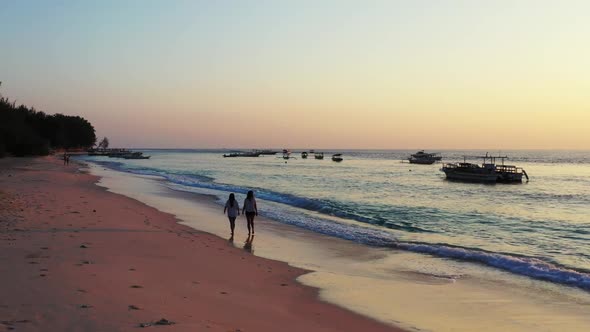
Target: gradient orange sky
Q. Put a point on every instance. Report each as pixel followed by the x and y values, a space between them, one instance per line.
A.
pixel 307 74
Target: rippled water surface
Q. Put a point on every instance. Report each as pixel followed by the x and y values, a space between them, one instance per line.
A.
pixel 539 229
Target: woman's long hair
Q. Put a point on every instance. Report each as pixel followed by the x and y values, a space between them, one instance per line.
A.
pixel 232 198
pixel 250 195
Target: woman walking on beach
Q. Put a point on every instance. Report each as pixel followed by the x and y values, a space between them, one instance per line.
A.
pixel 250 210
pixel 233 210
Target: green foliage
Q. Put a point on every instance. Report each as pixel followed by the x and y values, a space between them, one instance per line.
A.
pixel 25 131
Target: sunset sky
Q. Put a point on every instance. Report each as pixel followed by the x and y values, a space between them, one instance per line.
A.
pixel 307 74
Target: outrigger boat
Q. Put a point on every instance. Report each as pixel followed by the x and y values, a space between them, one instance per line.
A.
pixel 424 158
pixel 488 172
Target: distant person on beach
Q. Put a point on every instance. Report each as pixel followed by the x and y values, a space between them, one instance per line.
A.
pixel 65 158
pixel 250 210
pixel 233 210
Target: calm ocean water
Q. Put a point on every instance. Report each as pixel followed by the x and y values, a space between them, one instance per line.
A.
pixel 539 229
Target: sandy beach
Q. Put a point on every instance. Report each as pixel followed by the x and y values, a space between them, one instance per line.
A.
pixel 406 166
pixel 76 257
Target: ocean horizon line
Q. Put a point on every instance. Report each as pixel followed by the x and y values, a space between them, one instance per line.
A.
pixel 352 149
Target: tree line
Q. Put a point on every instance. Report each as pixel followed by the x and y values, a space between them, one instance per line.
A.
pixel 26 131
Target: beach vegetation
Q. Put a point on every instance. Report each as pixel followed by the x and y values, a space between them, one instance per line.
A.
pixel 104 143
pixel 24 131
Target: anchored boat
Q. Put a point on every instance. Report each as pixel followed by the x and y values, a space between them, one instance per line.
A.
pixel 267 152
pixel 337 157
pixel 135 155
pixel 118 153
pixel 424 158
pixel 287 155
pixel 241 154
pixel 487 172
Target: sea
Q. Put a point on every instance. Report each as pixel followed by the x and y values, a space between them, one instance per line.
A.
pixel 539 229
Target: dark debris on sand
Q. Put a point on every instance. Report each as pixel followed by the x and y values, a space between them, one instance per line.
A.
pixel 10 323
pixel 161 322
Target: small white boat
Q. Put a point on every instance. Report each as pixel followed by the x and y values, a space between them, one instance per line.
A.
pixel 424 158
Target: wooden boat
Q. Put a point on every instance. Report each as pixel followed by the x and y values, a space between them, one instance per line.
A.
pixel 319 155
pixel 118 153
pixel 488 172
pixel 337 157
pixel 98 152
pixel 267 152
pixel 242 154
pixel 469 172
pixel 287 154
pixel 135 155
pixel 304 155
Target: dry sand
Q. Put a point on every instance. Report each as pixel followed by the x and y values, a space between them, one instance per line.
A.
pixel 74 257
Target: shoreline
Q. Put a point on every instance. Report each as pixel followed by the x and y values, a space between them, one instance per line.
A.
pixel 78 257
pixel 396 287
